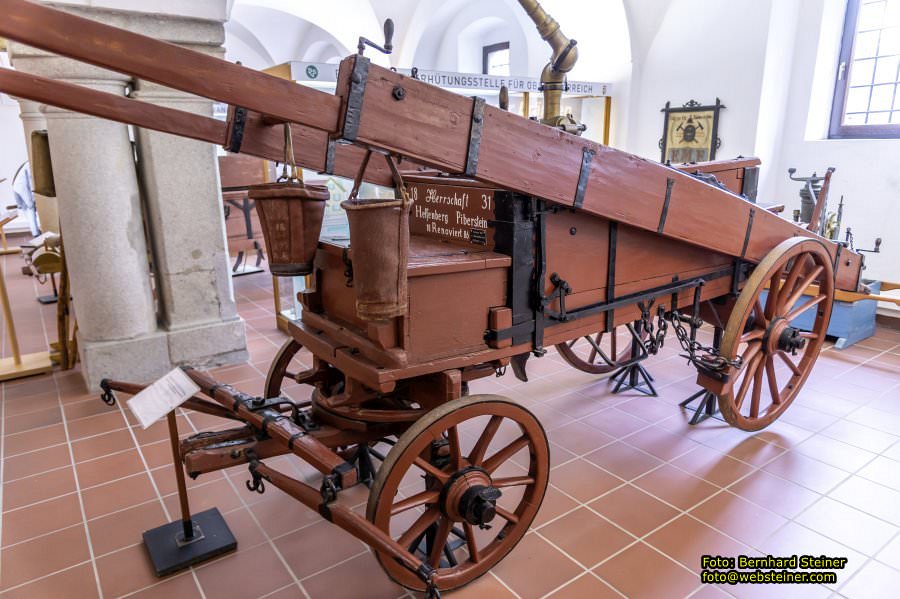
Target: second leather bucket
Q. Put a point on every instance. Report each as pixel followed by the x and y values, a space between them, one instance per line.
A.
pixel 379 247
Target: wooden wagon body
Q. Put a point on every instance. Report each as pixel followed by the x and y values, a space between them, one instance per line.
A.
pixel 521 237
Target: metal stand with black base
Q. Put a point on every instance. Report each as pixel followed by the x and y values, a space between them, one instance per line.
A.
pixel 193 539
pixel 708 404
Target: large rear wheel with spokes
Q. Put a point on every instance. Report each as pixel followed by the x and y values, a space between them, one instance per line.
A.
pixel 776 355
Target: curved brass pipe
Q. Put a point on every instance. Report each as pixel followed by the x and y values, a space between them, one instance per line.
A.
pixel 563 59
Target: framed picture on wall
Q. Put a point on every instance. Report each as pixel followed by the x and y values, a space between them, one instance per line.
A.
pixel 690 133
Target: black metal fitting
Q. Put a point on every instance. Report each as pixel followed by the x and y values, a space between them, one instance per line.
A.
pixel 256 484
pixel 108 397
pixel 398 93
pixel 329 489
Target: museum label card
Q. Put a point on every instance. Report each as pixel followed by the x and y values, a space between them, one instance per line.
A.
pixel 162 397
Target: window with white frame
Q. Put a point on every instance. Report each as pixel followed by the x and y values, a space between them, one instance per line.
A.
pixel 867 90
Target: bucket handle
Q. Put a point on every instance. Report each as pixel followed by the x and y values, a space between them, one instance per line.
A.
pixel 399 184
pixel 289 158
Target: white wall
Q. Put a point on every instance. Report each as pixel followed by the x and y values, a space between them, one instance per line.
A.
pixel 868 170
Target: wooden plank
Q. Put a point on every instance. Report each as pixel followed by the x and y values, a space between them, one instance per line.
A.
pixel 110 106
pixel 164 63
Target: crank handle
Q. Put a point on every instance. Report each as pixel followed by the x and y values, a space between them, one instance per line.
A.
pixel 876 249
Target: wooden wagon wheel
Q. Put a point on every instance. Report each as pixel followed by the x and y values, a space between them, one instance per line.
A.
pixel 598 353
pixel 283 367
pixel 465 502
pixel 776 356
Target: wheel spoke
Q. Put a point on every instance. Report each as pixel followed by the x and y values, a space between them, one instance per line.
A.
pixel 791 281
pixel 431 469
pixel 423 498
pixel 809 335
pixel 419 527
pixel 783 355
pixel 495 461
pixel 801 288
pixel 487 435
pixel 773 380
pixel 801 309
pixel 753 335
pixel 757 388
pixel 455 450
pixel 506 515
pixel 471 542
pixel 774 292
pixel 759 314
pixel 594 349
pixel 748 377
pixel 512 481
pixel 440 539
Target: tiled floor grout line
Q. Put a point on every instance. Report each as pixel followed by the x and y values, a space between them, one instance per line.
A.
pixel 87 531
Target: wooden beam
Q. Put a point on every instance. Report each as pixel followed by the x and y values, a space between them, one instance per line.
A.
pixel 112 107
pixel 164 63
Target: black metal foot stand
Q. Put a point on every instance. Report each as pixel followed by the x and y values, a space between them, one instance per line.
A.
pixel 633 376
pixel 193 539
pixel 171 548
pixel 363 461
pixel 709 403
pixel 706 408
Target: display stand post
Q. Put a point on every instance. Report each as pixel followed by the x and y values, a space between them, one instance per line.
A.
pixel 18 365
pixel 193 539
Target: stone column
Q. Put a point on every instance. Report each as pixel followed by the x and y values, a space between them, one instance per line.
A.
pixel 123 332
pixel 101 220
pixel 186 221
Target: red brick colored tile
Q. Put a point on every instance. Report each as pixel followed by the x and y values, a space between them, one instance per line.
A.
pixel 668 578
pixel 43 555
pixel 534 568
pixel 634 510
pixel 586 536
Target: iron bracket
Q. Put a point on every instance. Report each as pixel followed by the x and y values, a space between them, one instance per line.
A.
pixel 670 183
pixel 237 129
pixel 353 114
pixel 587 157
pixel 475 131
pixel 747 235
pixel 329 157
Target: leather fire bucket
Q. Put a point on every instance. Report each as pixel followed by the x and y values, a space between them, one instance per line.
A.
pixel 290 215
pixel 379 246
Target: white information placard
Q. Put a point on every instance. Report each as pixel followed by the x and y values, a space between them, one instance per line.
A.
pixel 163 396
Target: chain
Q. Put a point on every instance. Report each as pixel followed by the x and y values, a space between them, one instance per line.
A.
pixel 709 357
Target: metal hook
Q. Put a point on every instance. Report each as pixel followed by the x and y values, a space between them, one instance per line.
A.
pixel 108 397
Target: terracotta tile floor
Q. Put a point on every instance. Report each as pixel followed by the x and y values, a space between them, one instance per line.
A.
pixel 637 495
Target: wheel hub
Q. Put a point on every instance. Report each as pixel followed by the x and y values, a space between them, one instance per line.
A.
pixel 469 497
pixel 781 336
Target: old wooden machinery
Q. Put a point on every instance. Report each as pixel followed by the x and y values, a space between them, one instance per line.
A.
pixel 507 237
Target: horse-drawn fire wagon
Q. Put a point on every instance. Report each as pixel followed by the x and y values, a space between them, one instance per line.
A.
pixel 506 237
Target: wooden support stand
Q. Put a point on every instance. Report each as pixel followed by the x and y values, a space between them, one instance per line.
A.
pixel 18 366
